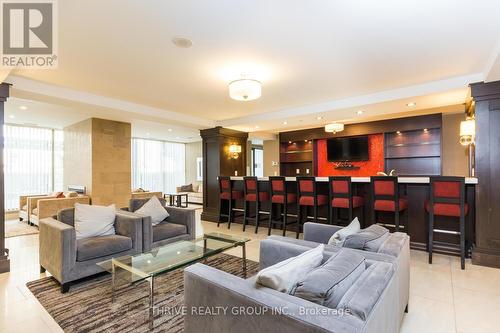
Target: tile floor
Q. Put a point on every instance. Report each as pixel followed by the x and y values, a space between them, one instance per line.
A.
pixel 443 298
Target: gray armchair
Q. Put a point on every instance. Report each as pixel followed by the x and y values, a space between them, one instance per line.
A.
pixel 180 225
pixel 69 259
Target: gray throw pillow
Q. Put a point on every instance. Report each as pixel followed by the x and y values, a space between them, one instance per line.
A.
pixel 187 188
pixel 368 239
pixel 327 284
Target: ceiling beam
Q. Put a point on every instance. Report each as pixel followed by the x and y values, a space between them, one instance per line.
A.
pixel 423 89
pixel 43 89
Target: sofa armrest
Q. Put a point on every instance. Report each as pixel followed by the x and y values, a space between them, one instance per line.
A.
pixel 208 288
pixel 57 247
pixel 33 202
pixel 274 251
pixel 184 216
pixel 130 226
pixel 50 207
pixel 318 232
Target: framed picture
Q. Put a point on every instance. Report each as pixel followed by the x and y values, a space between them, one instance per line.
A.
pixel 199 169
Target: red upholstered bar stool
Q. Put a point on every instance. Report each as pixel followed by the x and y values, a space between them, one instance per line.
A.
pixel 308 197
pixel 227 194
pixel 385 194
pixel 341 197
pixel 281 198
pixel 253 194
pixel 447 198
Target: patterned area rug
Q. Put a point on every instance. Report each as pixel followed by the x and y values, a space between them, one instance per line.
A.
pixel 14 228
pixel 87 307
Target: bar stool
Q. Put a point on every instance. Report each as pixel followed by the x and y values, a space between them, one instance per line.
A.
pixel 226 193
pixel 341 197
pixel 308 197
pixel 385 194
pixel 280 196
pixel 255 195
pixel 447 198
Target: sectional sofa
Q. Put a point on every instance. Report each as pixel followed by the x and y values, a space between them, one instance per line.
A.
pixel 371 304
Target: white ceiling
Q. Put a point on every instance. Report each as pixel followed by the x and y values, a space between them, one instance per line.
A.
pixel 328 58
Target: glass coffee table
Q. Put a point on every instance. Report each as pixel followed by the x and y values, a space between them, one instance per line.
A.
pixel 146 266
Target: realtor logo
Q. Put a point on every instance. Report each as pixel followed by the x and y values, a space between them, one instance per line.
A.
pixel 29 38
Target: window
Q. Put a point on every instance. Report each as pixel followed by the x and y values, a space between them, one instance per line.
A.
pixel 157 165
pixel 257 162
pixel 33 162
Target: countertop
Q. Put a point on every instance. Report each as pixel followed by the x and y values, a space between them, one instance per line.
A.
pixel 403 180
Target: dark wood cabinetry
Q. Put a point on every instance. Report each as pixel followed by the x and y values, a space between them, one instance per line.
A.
pixel 416 152
pixel 297 158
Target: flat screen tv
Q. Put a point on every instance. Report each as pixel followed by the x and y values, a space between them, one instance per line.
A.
pixel 347 149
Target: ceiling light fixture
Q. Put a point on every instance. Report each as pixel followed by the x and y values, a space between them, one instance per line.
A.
pixel 319 117
pixel 257 126
pixel 359 113
pixel 12 116
pixel 23 107
pixel 285 122
pixel 411 104
pixel 334 128
pixel 182 42
pixel 245 89
pixel 170 130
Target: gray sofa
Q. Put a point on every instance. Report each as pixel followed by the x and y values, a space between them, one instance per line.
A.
pixel 369 305
pixel 395 248
pixel 69 259
pixel 180 225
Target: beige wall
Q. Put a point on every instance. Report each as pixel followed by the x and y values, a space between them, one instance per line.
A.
pixel 97 154
pixel 454 155
pixel 271 153
pixel 77 161
pixel 193 151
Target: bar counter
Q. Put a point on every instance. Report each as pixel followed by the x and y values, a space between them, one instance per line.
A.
pixel 416 190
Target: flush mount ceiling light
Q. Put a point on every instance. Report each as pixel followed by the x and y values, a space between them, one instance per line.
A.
pixel 245 89
pixel 334 128
pixel 182 42
pixel 411 104
pixel 23 107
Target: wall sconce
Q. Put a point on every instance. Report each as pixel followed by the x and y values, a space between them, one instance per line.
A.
pixel 467 132
pixel 467 138
pixel 234 151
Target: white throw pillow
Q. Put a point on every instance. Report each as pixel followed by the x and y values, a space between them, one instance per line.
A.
pixel 154 208
pixel 339 237
pixel 284 275
pixel 93 221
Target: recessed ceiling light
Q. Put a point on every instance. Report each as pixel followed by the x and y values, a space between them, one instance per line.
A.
pixel 411 104
pixel 257 126
pixel 398 132
pixel 426 130
pixel 12 116
pixel 319 117
pixel 289 141
pixel 170 130
pixel 285 122
pixel 182 42
pixel 23 107
pixel 359 113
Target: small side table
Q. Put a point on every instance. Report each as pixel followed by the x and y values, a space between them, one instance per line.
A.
pixel 175 199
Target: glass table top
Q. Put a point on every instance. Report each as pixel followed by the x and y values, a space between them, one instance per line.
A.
pixel 171 256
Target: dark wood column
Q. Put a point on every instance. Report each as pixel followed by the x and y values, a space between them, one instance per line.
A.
pixel 486 96
pixel 218 162
pixel 4 253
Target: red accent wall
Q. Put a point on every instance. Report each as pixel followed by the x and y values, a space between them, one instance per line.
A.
pixel 367 168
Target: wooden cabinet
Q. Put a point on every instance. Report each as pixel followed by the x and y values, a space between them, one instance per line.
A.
pixel 416 152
